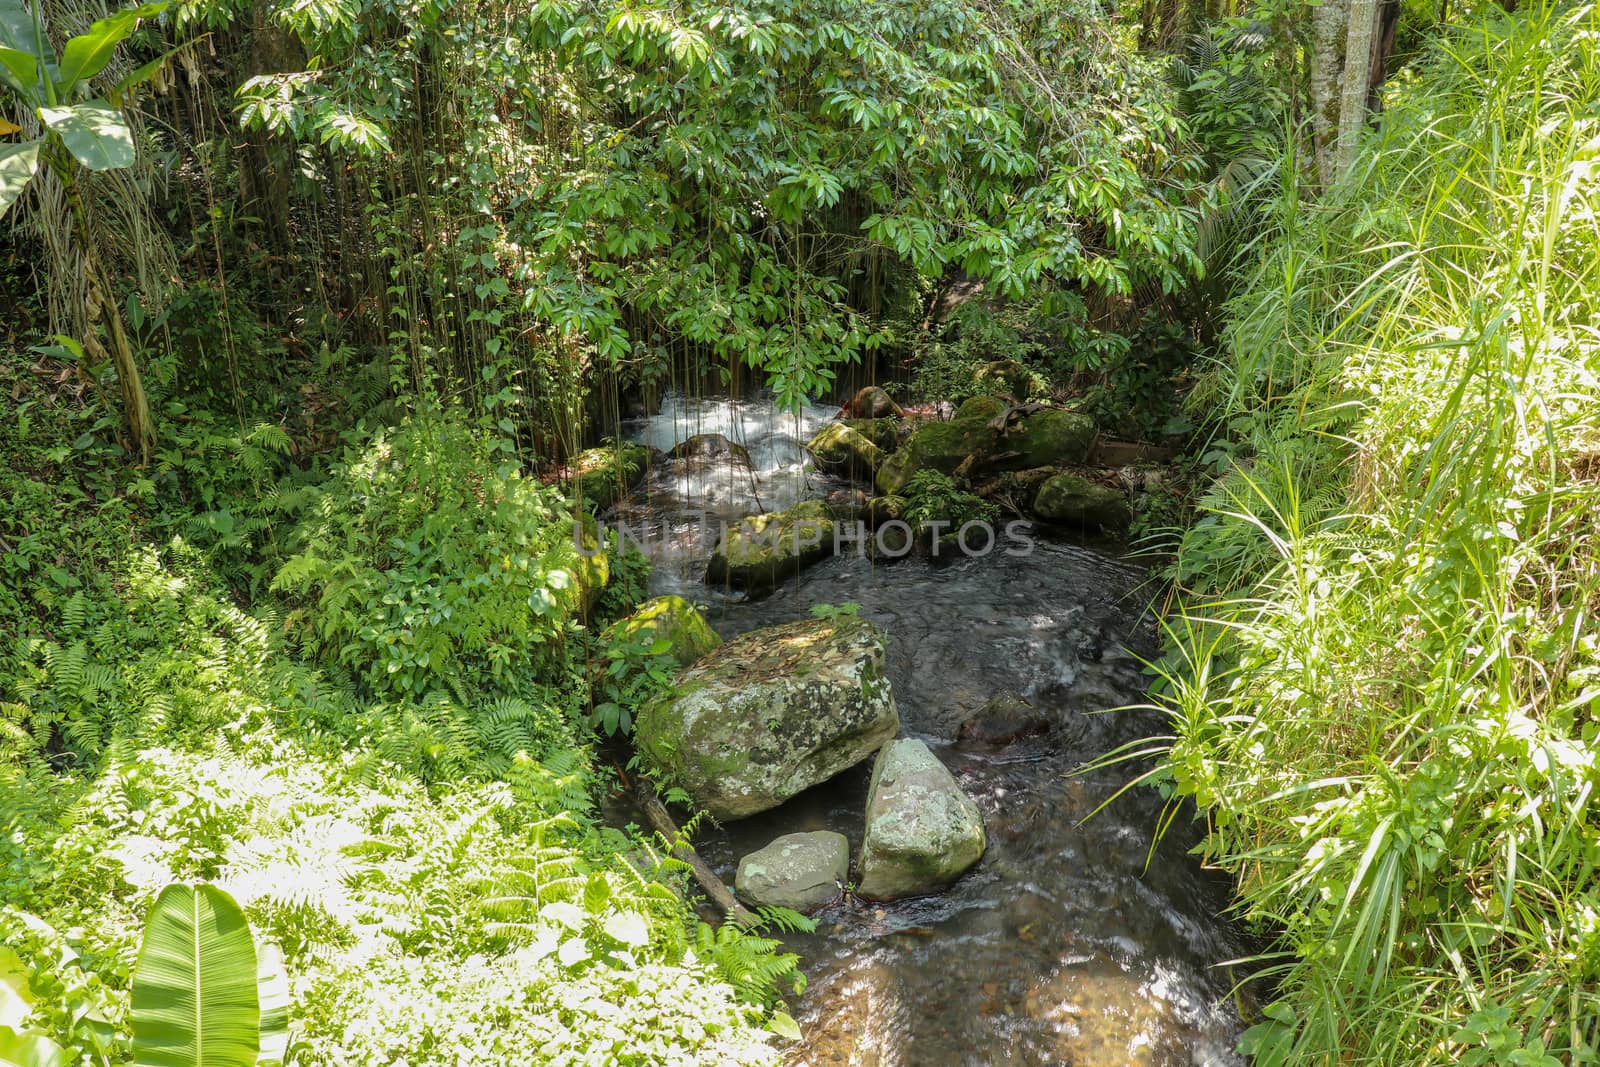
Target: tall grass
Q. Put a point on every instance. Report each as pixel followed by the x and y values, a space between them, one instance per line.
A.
pixel 1385 685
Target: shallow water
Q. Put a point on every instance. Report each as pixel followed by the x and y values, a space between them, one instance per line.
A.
pixel 1063 946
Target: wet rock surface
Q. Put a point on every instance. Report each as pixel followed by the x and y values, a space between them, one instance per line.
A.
pixel 801 871
pixel 772 713
pixel 922 832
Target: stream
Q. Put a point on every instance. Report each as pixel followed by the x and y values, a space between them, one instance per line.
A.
pixel 1071 942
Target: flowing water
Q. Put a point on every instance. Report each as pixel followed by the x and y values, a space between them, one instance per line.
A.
pixel 1071 942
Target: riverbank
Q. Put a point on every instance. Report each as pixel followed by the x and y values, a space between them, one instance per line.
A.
pixel 1383 687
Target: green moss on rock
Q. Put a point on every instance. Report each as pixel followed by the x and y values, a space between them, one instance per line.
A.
pixel 602 476
pixel 770 714
pixel 668 618
pixel 841 450
pixel 1069 500
pixel 1050 439
pixel 761 551
pixel 940 446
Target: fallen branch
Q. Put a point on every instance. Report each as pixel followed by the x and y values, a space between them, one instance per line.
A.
pixel 667 827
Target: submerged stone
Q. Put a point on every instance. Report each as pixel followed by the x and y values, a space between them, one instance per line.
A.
pixel 770 714
pixel 922 831
pixel 1069 500
pixel 1006 718
pixel 760 551
pixel 667 618
pixel 711 446
pixel 798 871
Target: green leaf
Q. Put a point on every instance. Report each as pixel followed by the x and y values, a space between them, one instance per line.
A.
pixel 21 31
pixel 628 927
pixel 16 999
pixel 18 164
pixel 272 986
pixel 97 135
pixel 20 70
pixel 195 1001
pixel 30 1050
pixel 88 53
pixel 783 1025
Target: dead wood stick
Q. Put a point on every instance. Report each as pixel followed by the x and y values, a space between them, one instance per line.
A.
pixel 661 819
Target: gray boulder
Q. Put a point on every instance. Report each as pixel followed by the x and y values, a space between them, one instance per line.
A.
pixel 922 830
pixel 771 713
pixel 799 871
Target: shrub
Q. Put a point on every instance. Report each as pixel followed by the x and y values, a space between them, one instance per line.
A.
pixel 426 564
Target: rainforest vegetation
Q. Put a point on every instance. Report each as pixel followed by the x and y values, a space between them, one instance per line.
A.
pixel 310 310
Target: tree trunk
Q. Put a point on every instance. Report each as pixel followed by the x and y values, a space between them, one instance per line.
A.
pixel 1329 21
pixel 1356 78
pixel 102 305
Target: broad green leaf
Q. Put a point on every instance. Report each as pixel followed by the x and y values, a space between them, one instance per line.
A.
pixel 19 29
pixel 30 1050
pixel 629 927
pixel 272 986
pixel 20 70
pixel 97 136
pixel 88 53
pixel 18 164
pixel 16 999
pixel 784 1025
pixel 195 1000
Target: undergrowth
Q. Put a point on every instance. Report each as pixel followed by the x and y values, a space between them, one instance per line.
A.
pixel 1384 687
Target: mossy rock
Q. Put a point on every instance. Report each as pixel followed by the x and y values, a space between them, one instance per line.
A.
pixel 982 407
pixel 770 714
pixel 667 618
pixel 940 446
pixel 885 433
pixel 588 565
pixel 839 449
pixel 603 476
pixel 1068 500
pixel 871 402
pixel 761 551
pixel 711 447
pixel 882 509
pixel 1049 439
pixel 800 871
pixel 922 831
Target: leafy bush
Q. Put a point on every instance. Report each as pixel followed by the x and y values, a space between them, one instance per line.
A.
pixel 932 498
pixel 428 564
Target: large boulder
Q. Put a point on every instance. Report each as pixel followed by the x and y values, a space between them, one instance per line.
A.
pixel 986 408
pixel 1069 500
pixel 885 433
pixel 671 619
pixel 1049 439
pixel 771 713
pixel 922 830
pixel 762 550
pixel 940 446
pixel 871 402
pixel 841 450
pixel 602 476
pixel 798 871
